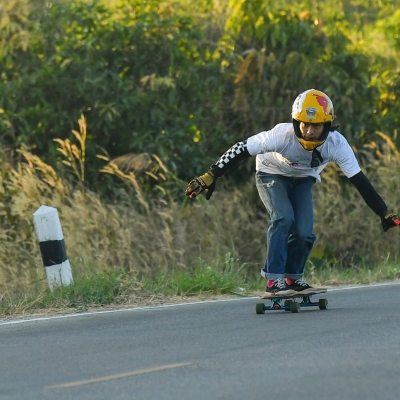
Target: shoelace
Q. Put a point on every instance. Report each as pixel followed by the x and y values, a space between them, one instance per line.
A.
pixel 302 282
pixel 280 283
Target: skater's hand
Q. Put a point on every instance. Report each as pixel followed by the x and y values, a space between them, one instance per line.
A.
pixel 200 184
pixel 389 220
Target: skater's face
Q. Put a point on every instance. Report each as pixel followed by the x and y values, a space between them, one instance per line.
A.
pixel 311 131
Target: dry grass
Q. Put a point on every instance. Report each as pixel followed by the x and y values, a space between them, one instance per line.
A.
pixel 138 235
pixel 143 236
pixel 348 231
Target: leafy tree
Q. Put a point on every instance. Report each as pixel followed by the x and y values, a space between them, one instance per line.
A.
pixel 182 81
pixel 286 52
pixel 386 78
pixel 144 76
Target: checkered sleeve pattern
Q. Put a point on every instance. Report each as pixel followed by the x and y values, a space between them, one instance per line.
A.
pixel 231 158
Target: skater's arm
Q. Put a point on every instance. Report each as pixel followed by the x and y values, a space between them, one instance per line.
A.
pixel 374 201
pixel 368 193
pixel 206 183
pixel 230 158
pixel 260 143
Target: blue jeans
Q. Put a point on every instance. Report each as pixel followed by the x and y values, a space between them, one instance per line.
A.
pixel 289 203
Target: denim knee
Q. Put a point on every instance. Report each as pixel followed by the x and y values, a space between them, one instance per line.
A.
pixel 284 222
pixel 304 237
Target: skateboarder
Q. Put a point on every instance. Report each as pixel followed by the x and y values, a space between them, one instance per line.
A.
pixel 289 160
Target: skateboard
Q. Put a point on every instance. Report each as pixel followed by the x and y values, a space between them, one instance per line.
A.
pixel 288 302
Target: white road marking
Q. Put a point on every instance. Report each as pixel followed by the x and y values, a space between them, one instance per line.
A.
pixel 38 319
pixel 20 321
pixel 117 376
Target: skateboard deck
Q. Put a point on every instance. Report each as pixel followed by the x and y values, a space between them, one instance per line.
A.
pixel 288 302
pixel 294 295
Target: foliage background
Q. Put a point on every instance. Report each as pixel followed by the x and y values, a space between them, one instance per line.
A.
pixel 108 108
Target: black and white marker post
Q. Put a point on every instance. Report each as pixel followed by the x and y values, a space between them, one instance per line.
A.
pixel 52 246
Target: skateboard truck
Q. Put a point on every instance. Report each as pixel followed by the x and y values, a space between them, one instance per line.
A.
pixel 289 304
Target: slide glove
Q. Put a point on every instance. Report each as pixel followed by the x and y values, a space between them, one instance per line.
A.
pixel 200 184
pixel 389 220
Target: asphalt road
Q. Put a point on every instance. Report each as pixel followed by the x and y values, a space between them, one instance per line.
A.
pixel 212 350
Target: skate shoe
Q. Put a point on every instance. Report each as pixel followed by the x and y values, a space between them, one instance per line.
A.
pixel 301 285
pixel 279 289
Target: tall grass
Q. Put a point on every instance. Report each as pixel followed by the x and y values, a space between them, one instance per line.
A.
pixel 148 240
pixel 350 234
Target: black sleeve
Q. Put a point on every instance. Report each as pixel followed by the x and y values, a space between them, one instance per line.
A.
pixel 230 158
pixel 368 193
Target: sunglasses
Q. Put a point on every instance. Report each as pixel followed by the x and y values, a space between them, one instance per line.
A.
pixel 316 159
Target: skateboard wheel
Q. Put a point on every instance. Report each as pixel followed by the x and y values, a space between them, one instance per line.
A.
pixel 287 303
pixel 294 307
pixel 260 308
pixel 323 304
